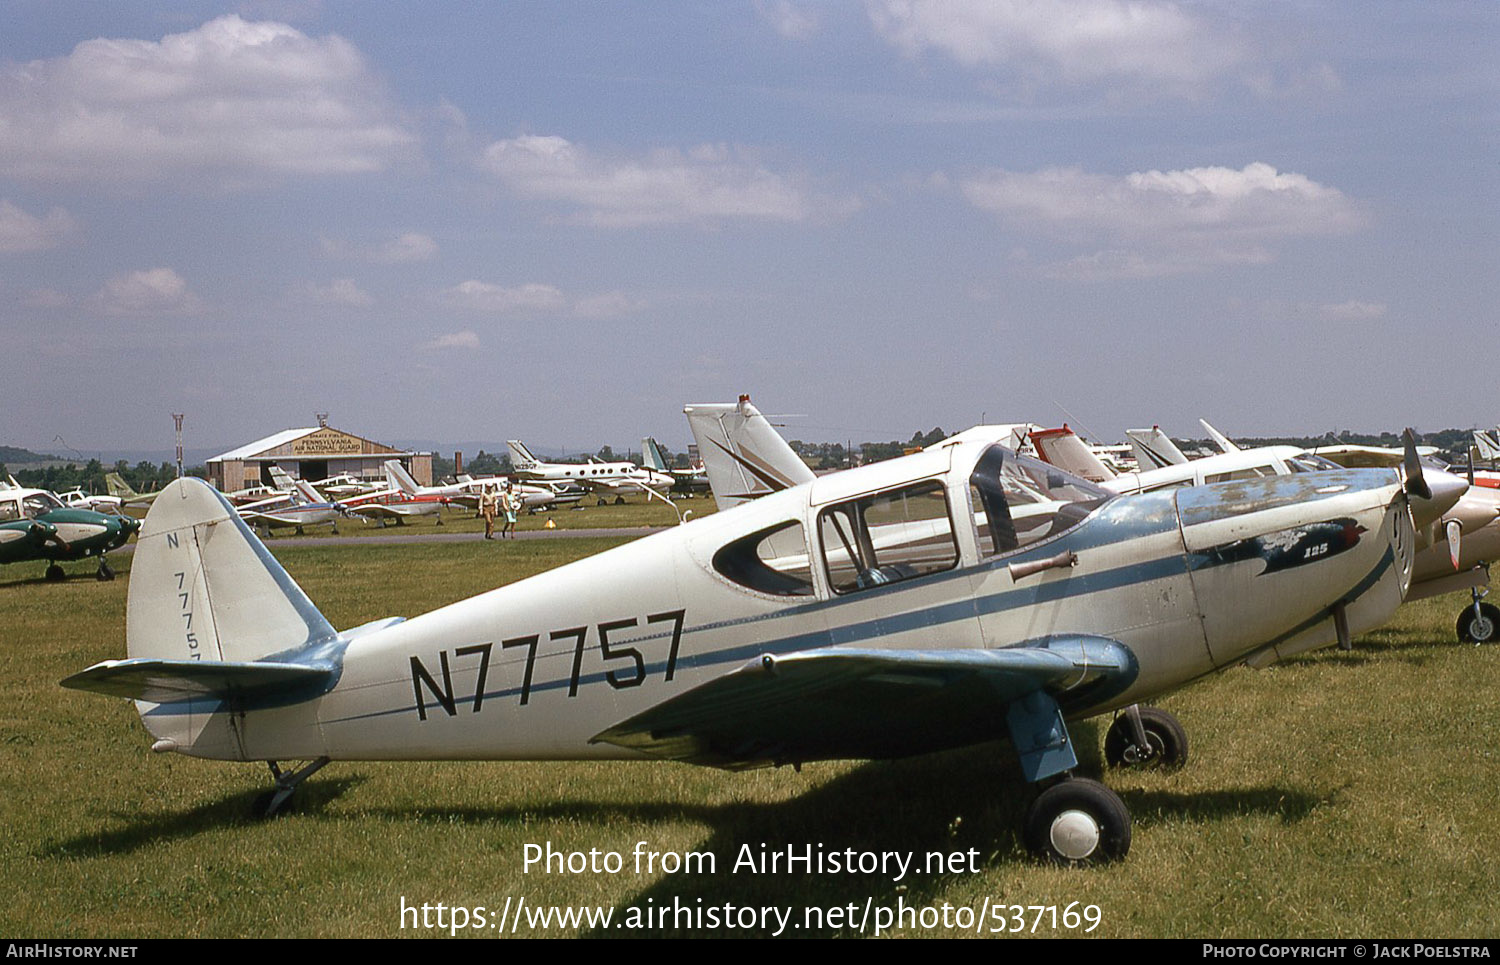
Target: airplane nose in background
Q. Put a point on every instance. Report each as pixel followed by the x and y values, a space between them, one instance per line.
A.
pixel 1446 489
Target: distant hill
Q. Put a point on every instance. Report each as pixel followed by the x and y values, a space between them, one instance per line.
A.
pixel 15 454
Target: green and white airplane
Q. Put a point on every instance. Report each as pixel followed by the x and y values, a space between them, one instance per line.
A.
pixel 35 525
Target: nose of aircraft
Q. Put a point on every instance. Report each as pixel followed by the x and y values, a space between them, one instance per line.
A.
pixel 1445 489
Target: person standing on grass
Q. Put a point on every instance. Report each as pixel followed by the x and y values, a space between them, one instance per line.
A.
pixel 487 503
pixel 509 502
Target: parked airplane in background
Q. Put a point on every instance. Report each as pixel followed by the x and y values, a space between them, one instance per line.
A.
pixel 120 489
pixel 35 525
pixel 394 503
pixel 76 498
pixel 686 481
pixel 776 633
pixel 617 479
pixel 303 507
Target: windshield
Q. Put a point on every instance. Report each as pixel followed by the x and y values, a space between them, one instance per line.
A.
pixel 1019 500
pixel 40 504
pixel 1307 462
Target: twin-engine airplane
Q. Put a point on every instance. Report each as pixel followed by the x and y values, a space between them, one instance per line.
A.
pixel 617 479
pixel 1002 598
pixel 35 525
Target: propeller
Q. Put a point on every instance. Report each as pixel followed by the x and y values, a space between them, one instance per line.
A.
pixel 1414 484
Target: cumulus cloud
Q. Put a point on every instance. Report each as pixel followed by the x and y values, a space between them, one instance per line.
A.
pixel 711 183
pixel 153 291
pixel 1071 41
pixel 793 21
pixel 453 340
pixel 340 291
pixel 22 231
pixel 232 100
pixel 1155 223
pixel 538 299
pixel 409 247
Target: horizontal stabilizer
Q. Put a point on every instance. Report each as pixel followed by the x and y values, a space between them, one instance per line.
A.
pixel 839 703
pixel 247 686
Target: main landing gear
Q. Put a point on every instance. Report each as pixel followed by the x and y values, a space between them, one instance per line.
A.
pixel 104 574
pixel 270 802
pixel 1480 622
pixel 54 574
pixel 1077 820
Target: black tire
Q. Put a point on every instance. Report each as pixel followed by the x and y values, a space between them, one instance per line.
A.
pixel 1483 628
pixel 55 574
pixel 1078 821
pixel 105 574
pixel 1165 734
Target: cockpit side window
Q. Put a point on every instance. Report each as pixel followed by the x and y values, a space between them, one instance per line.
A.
pixel 888 537
pixel 40 504
pixel 1018 501
pixel 771 560
pixel 10 509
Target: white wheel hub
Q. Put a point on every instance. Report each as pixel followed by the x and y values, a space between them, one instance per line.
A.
pixel 1075 834
pixel 1482 629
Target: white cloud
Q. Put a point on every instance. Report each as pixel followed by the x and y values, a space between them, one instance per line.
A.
pixel 538 299
pixel 453 340
pixel 340 291
pixel 409 247
pixel 1072 41
pixel 793 21
pixel 1157 223
pixel 1352 311
pixel 153 291
pixel 710 183
pixel 232 99
pixel 22 231
pixel 496 299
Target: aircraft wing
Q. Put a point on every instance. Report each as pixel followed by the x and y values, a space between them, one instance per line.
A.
pixel 845 703
pixel 394 510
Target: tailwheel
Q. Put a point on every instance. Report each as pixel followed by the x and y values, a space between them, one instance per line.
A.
pixel 1159 741
pixel 270 803
pixel 1078 821
pixel 1481 626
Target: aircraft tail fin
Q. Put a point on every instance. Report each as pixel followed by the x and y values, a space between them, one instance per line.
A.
pixel 743 454
pixel 520 456
pixel 652 456
pixel 400 478
pixel 280 478
pixel 203 588
pixel 1487 445
pixel 1219 438
pixel 118 486
pixel 1154 449
pixel 1064 449
pixel 306 491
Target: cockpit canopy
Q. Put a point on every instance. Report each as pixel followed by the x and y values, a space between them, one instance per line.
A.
pixel 1019 500
pixel 27 505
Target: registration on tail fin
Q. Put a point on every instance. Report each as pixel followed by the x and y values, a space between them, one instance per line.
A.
pixel 520 456
pixel 212 623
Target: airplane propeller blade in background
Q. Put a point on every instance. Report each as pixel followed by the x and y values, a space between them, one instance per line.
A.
pixel 1414 485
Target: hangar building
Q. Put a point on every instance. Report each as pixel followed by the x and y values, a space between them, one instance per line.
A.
pixel 313 453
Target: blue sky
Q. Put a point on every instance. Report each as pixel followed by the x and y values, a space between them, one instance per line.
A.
pixel 562 221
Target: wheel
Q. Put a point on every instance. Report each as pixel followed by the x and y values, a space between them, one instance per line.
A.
pixel 55 574
pixel 602 501
pixel 1078 821
pixel 619 500
pixel 1166 739
pixel 1480 627
pixel 105 574
pixel 266 806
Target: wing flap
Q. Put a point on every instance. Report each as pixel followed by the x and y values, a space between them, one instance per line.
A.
pixel 838 703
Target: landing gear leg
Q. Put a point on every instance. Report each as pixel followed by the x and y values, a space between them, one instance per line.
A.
pixel 268 803
pixel 1480 622
pixel 104 574
pixel 1075 821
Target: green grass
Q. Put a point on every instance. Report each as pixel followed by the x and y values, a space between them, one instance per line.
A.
pixel 1339 794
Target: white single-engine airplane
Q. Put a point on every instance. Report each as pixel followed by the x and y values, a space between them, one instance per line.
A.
pixel 776 633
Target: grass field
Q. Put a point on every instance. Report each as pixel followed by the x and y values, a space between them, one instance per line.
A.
pixel 1340 794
